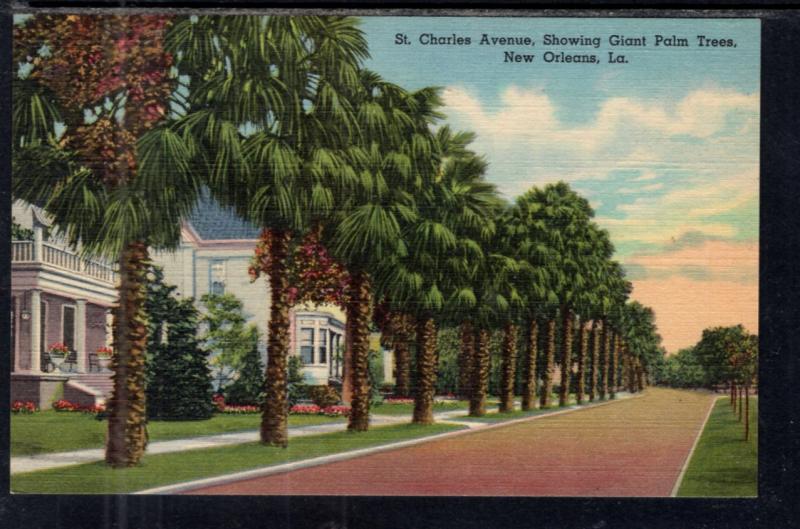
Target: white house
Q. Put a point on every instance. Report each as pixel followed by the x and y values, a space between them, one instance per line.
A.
pixel 57 296
pixel 214 256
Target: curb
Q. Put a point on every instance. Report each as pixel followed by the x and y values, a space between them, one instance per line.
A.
pixel 352 454
pixel 685 466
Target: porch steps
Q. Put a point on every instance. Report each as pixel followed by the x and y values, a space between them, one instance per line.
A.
pixel 100 382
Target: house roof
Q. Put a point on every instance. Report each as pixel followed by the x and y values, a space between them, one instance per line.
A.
pixel 211 221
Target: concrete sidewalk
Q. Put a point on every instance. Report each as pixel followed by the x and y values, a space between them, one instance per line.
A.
pixel 47 461
pixel 61 459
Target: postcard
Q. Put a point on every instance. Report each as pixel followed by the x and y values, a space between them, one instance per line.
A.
pixel 360 255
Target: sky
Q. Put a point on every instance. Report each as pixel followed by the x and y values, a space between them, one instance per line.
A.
pixel 665 146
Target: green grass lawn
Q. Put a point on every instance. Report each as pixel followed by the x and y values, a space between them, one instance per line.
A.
pixel 408 409
pixel 724 464
pixel 52 431
pixel 164 469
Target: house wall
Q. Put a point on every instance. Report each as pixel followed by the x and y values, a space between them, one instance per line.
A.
pixel 95 327
pixel 24 332
pixel 189 268
pixel 54 317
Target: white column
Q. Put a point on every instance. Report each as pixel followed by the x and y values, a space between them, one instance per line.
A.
pixel 38 241
pixel 80 334
pixel 16 326
pixel 36 331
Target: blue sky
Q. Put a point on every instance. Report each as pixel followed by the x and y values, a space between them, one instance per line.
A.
pixel 665 147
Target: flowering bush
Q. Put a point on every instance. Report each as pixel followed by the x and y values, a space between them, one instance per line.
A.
pixel 26 407
pixel 219 402
pixel 305 409
pixel 104 352
pixel 314 275
pixel 336 411
pixel 313 409
pixel 65 405
pixel 58 349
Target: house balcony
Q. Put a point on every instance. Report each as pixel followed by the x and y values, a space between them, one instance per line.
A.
pixel 43 265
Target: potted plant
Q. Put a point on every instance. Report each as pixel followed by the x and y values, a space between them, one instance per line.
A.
pixel 58 353
pixel 104 356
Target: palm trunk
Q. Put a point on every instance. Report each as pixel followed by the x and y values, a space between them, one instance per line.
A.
pixel 640 382
pixel 529 385
pixel 402 356
pixel 605 359
pixel 347 362
pixel 467 359
pixel 358 312
pixel 746 412
pixel 741 395
pixel 547 376
pixel 274 416
pixel 508 369
pixel 566 356
pixel 127 419
pixel 581 389
pixel 593 390
pixel 614 365
pixel 426 372
pixel 480 375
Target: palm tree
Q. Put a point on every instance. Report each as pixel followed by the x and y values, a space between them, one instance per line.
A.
pixel 560 218
pixel 397 332
pixel 396 157
pixel 498 304
pixel 525 235
pixel 593 376
pixel 115 184
pixel 271 102
pixel 423 279
pixel 642 340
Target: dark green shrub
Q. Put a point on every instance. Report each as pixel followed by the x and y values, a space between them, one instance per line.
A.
pixel 177 377
pixel 248 388
pixel 324 396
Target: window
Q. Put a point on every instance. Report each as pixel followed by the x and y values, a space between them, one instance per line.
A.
pixel 307 345
pixel 323 346
pixel 68 327
pixel 217 277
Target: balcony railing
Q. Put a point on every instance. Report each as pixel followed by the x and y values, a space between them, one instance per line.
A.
pixel 24 252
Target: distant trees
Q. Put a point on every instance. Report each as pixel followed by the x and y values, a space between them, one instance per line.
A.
pixel 724 356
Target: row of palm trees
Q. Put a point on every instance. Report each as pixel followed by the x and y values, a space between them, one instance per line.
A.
pixel 277 117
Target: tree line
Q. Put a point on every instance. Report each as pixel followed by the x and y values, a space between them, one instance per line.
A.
pixel 724 357
pixel 364 196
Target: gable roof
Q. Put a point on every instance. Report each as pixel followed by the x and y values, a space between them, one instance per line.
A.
pixel 211 221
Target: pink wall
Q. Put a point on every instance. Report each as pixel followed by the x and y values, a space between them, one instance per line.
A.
pixel 95 325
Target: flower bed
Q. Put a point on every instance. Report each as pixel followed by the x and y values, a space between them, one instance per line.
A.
pixel 25 407
pixel 313 409
pixel 67 406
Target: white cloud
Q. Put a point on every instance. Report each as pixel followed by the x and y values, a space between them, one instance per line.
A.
pixel 661 169
pixel 522 130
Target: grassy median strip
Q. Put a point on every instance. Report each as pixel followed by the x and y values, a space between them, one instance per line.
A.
pixel 51 431
pixel 493 415
pixel 165 469
pixel 408 408
pixel 724 464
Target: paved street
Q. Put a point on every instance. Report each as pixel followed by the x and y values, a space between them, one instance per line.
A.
pixel 634 447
